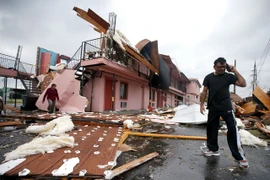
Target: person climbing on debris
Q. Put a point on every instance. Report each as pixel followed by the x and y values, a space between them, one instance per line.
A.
pixel 219 105
pixel 52 95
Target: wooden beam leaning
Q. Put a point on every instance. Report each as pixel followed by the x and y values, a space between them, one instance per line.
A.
pixel 171 136
pixel 123 138
pixel 140 58
pixel 93 19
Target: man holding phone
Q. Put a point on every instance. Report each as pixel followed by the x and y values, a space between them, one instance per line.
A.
pixel 219 104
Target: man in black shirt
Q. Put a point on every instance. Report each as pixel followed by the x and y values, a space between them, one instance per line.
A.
pixel 219 104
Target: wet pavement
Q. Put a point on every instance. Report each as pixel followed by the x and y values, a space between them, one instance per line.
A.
pixel 178 159
pixel 183 160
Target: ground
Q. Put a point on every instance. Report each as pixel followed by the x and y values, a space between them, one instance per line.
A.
pixel 182 159
pixel 178 159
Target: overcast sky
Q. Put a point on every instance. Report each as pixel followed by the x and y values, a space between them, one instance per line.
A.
pixel 193 32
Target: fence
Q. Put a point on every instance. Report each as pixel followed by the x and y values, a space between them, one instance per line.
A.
pixel 9 62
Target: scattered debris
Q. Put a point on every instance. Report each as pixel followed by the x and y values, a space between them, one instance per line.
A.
pixel 112 173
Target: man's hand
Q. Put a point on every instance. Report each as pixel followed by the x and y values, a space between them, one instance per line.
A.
pixel 202 109
pixel 233 69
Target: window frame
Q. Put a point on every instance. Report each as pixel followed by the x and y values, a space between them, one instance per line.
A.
pixel 120 95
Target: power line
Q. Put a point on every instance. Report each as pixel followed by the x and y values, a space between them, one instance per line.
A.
pixel 264 55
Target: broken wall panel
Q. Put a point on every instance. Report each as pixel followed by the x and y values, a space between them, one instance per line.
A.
pixel 68 90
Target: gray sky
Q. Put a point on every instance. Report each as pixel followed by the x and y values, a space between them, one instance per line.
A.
pixel 193 32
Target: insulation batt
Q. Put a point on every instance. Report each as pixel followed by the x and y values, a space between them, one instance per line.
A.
pixel 40 145
pixel 248 139
pixel 57 126
pixel 55 138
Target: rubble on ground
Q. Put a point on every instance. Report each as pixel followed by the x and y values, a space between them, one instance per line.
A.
pixel 144 124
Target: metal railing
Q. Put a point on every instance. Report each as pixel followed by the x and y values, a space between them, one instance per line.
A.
pixel 90 49
pixel 99 47
pixel 9 62
pixel 76 59
pixel 179 86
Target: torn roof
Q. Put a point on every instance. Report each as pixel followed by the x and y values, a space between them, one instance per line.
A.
pixel 95 149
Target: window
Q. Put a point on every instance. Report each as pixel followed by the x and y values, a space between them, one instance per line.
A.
pixel 123 104
pixel 153 95
pixel 123 90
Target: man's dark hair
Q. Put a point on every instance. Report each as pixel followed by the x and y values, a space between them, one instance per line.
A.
pixel 53 85
pixel 220 60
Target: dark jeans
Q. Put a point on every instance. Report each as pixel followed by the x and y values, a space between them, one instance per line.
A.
pixel 233 137
pixel 51 106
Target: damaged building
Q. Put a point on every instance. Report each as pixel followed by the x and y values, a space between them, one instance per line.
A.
pixel 114 75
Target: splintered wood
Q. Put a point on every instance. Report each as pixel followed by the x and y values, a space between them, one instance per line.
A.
pixel 249 108
pixel 10 123
pixel 130 165
pixel 12 109
pixel 262 96
pixel 262 128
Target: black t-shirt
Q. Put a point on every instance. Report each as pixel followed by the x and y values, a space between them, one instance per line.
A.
pixel 219 94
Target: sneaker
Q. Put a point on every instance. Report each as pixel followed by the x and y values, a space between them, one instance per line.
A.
pixel 243 163
pixel 203 148
pixel 211 153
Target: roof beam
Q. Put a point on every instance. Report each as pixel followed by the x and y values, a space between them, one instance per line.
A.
pixel 140 58
pixel 94 19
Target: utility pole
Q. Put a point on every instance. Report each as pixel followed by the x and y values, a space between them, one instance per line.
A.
pixel 16 67
pixel 254 81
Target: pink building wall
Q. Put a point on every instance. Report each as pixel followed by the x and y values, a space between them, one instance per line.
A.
pixel 193 91
pixel 97 99
pixel 138 93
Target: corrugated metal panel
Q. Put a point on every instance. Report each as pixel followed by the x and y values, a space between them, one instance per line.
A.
pixel 89 143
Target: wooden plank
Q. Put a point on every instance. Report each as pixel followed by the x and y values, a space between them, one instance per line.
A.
pixel 10 123
pixel 12 109
pixel 262 96
pixel 171 136
pixel 123 138
pixel 97 21
pixel 140 58
pixel 262 128
pixel 130 165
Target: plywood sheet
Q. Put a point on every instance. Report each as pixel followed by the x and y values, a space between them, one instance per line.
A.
pixel 262 96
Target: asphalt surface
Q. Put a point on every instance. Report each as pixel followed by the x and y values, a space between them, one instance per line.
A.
pixel 183 160
pixel 178 159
